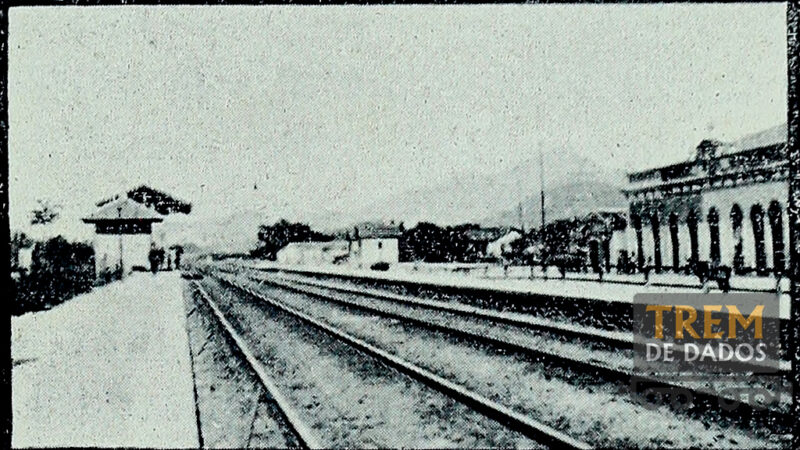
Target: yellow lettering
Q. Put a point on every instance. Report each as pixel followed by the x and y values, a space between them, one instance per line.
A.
pixel 682 323
pixel 755 317
pixel 709 321
pixel 659 310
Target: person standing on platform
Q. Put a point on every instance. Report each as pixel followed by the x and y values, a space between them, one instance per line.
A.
pixel 647 268
pixel 153 258
pixel 178 253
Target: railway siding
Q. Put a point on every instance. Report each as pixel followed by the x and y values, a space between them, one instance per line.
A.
pixel 614 366
pixel 460 366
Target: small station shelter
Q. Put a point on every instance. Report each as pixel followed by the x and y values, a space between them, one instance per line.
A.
pixel 125 230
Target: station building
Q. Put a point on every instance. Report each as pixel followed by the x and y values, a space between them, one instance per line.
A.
pixel 128 225
pixel 725 206
pixel 372 243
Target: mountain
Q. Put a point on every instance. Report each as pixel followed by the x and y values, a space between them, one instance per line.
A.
pixel 562 202
pixel 488 196
pixel 573 186
pixel 233 233
pixel 763 138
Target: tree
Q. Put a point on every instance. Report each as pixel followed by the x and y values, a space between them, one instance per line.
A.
pixel 459 247
pixel 59 270
pixel 425 242
pixel 272 238
pixel 45 213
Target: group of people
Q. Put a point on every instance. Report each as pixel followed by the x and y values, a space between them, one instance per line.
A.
pixel 158 255
pixel 706 272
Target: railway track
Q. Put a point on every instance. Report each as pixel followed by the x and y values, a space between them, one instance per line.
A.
pixel 615 340
pixel 704 397
pixel 534 429
pixel 305 437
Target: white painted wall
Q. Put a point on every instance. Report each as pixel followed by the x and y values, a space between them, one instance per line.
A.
pixel 135 251
pixel 371 251
pixel 316 254
pixel 619 241
pixel 746 197
pixel 25 258
pixel 502 245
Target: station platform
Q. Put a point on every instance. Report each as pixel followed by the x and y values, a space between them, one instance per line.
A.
pixel 110 368
pixel 584 289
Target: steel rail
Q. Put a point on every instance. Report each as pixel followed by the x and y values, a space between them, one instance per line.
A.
pixel 485 338
pixel 530 427
pixel 609 337
pixel 304 434
pixel 614 373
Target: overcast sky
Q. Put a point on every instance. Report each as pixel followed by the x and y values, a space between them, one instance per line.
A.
pixel 291 109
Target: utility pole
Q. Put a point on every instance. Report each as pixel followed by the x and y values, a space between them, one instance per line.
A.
pixel 541 183
pixel 121 265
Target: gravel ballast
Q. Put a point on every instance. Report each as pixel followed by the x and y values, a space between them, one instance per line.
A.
pixel 232 407
pixel 349 399
pixel 595 413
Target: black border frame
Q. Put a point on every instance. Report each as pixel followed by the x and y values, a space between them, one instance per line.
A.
pixel 793 121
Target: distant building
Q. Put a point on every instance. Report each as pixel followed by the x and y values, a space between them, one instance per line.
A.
pixel 372 243
pixel 128 225
pixel 478 240
pixel 314 253
pixel 123 231
pixel 727 206
pixel 21 249
pixel 502 245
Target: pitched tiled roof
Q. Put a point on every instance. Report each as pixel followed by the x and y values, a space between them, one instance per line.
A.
pixel 371 230
pixel 160 201
pixel 124 209
pixel 152 198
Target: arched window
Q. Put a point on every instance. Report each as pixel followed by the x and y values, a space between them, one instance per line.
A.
pixel 757 218
pixel 775 214
pixel 713 230
pixel 737 218
pixel 656 241
pixel 673 233
pixel 691 222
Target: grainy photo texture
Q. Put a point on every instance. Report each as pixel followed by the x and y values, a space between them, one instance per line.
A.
pixel 420 226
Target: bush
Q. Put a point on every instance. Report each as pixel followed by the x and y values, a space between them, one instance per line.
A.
pixel 108 275
pixel 59 270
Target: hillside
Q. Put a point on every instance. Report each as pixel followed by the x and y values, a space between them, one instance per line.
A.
pixel 492 199
pixel 562 202
pixel 485 197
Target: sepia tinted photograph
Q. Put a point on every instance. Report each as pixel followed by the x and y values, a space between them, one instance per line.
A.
pixel 401 226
